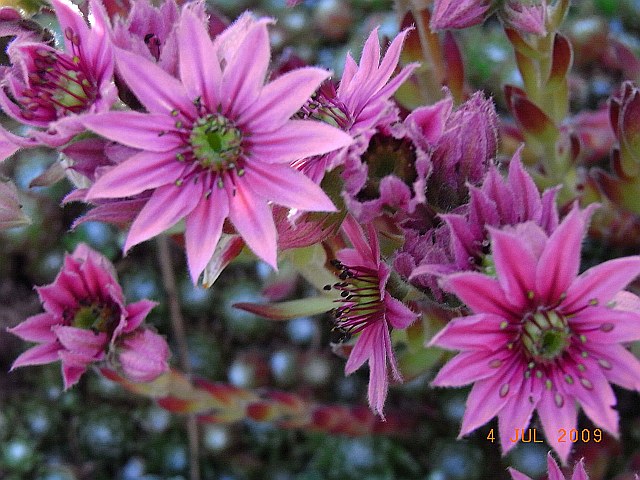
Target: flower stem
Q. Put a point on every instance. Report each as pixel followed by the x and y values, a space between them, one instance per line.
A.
pixel 179 333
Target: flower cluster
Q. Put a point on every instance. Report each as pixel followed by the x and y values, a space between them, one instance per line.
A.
pixel 423 218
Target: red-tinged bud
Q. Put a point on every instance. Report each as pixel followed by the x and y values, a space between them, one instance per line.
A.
pixel 526 18
pixel 449 14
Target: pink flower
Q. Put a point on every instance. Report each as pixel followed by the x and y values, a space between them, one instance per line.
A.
pixel 368 309
pixel 555 473
pixel 362 102
pixel 448 14
pixel 541 337
pixel 85 317
pixel 51 89
pixel 216 145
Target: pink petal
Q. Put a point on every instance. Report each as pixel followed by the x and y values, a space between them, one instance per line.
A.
pixel 483 403
pixel 203 230
pixel 378 377
pixel 155 88
pixel 228 248
pixel 38 355
pixel 136 313
pixel 397 313
pixel 517 412
pixel 349 70
pixel 36 328
pixel 516 475
pixel 281 98
pixel 199 68
pixel 469 367
pixel 363 348
pixel 554 470
pixel 55 299
pixel 560 260
pixel 84 342
pixel 606 325
pixel 579 472
pixel 69 17
pixel 253 219
pixel 528 206
pixel 295 140
pixel 476 332
pixel 135 129
pixel 601 282
pixel 143 171
pixel 622 366
pixel 482 294
pixel 73 366
pixel 243 77
pixel 286 186
pixel 515 266
pixel 554 418
pixel 165 208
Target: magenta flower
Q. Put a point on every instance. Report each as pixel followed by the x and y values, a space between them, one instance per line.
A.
pixel 49 90
pixel 554 471
pixel 362 102
pixel 541 337
pixel 217 145
pixel 369 310
pixel 85 318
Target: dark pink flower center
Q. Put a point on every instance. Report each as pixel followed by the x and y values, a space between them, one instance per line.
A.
pixel 360 298
pixel 59 84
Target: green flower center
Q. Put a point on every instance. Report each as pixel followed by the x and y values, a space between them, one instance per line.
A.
pixel 216 142
pixel 96 317
pixel 545 336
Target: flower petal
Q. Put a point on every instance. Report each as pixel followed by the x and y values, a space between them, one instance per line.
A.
pixel 163 210
pixel 155 88
pixel 253 219
pixel 37 328
pixel 469 367
pixel 606 325
pixel 243 77
pixel 482 294
pixel 147 131
pixel 601 282
pixel 560 260
pixel 295 140
pixel 77 340
pixel 476 332
pixel 203 230
pixel 397 313
pixel 517 413
pixel 136 313
pixel 286 186
pixel 199 68
pixel 281 98
pixel 38 355
pixel 619 365
pixel 556 416
pixel 143 171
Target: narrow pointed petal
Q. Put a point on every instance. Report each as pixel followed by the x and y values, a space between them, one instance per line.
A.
pixel 530 206
pixel 363 349
pixel 36 328
pixel 199 68
pixel 556 415
pixel 286 186
pixel 469 367
pixel 137 312
pixel 483 403
pixel 155 88
pixel 281 98
pixel 134 129
pixel 560 260
pixel 554 470
pixel 515 265
pixel 298 139
pixel 166 207
pixel 579 473
pixel 618 365
pixel 482 294
pixel 253 219
pixel 290 309
pixel 203 230
pixel 607 325
pixel 228 248
pixel 378 377
pixel 397 313
pixel 602 282
pixel 143 171
pixel 38 355
pixel 516 475
pixel 69 17
pixel 476 332
pixel 244 75
pixel 517 413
